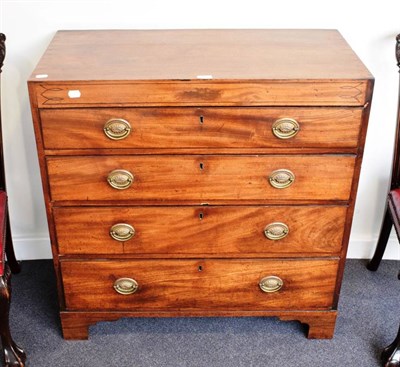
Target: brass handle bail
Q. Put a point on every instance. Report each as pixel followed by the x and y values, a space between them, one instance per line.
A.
pixel 285 128
pixel 276 231
pixel 122 232
pixel 126 286
pixel 120 179
pixel 117 129
pixel 281 178
pixel 271 284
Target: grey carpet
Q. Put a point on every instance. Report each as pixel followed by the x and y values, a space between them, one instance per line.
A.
pixel 368 320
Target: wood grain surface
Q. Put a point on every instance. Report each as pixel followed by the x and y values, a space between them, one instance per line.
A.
pixel 288 67
pixel 186 54
pixel 201 231
pixel 200 127
pixel 202 93
pixel 199 284
pixel 205 179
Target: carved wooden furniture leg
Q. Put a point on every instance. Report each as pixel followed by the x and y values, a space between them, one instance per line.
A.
pixel 13 354
pixel 11 259
pixel 321 325
pixel 382 241
pixel 321 328
pixel 391 354
pixel 74 327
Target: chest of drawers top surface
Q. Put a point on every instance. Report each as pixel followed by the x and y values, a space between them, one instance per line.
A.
pixel 202 67
pixel 187 54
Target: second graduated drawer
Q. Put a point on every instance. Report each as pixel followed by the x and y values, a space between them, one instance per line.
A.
pixel 229 231
pixel 201 179
pixel 240 127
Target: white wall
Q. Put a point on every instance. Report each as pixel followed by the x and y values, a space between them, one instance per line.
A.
pixel 369 27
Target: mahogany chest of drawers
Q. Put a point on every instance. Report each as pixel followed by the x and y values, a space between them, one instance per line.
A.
pixel 200 172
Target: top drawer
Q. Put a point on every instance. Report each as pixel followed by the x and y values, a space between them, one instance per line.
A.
pixel 165 92
pixel 239 127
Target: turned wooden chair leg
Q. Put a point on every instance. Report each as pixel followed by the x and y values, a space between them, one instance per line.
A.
pixel 391 354
pixel 13 355
pixel 11 259
pixel 382 241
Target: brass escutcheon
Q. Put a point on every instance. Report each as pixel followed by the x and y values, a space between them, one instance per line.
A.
pixel 276 231
pixel 126 286
pixel 120 179
pixel 117 129
pixel 281 178
pixel 271 284
pixel 285 128
pixel 122 232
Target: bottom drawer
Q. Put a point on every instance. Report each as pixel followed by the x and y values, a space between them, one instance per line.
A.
pixel 199 284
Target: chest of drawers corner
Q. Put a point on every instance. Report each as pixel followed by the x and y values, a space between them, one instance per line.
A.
pixel 187 174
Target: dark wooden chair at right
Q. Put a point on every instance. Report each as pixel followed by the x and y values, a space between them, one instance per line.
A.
pixel 391 354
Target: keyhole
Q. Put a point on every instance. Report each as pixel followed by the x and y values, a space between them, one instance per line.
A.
pixel 201 120
pixel 200 268
pixel 201 216
pixel 201 165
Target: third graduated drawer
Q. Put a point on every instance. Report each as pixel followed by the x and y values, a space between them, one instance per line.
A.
pixel 201 179
pixel 212 127
pixel 192 231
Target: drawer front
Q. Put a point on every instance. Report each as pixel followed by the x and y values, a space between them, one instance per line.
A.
pixel 204 93
pixel 200 128
pixel 201 231
pixel 201 179
pixel 199 284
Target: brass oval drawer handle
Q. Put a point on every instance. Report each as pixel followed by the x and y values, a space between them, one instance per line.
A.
pixel 276 231
pixel 120 179
pixel 271 284
pixel 285 128
pixel 122 232
pixel 117 129
pixel 281 178
pixel 126 286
